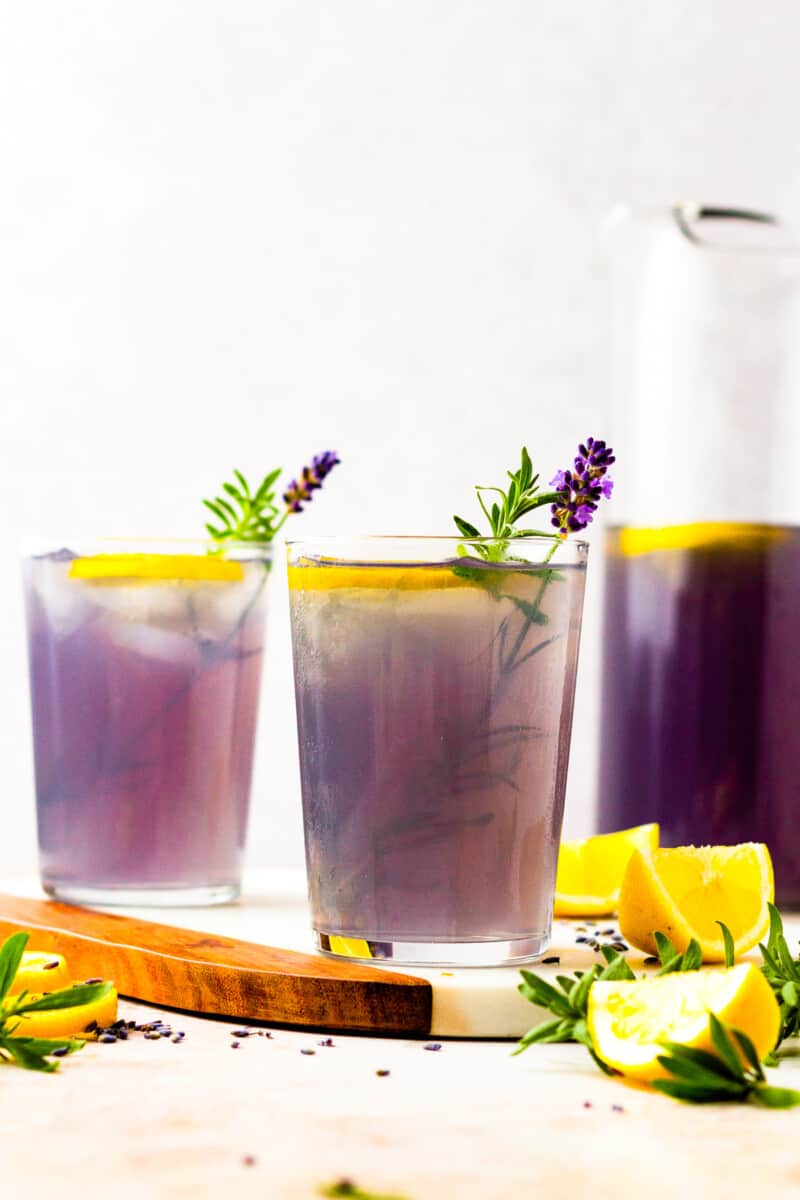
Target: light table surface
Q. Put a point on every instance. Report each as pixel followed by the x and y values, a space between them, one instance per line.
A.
pixel 147 1118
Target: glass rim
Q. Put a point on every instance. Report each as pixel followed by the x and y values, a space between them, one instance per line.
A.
pixel 39 543
pixel 533 539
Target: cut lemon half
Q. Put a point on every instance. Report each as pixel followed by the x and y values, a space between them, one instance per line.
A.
pixel 131 569
pixel 630 1020
pixel 590 872
pixel 68 1022
pixel 40 972
pixel 683 892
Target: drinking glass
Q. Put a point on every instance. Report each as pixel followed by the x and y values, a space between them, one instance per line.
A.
pixel 434 701
pixel 145 663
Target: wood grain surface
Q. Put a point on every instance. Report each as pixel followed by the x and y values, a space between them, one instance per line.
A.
pixel 212 974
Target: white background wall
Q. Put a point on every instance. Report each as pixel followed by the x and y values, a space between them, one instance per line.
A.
pixel 236 233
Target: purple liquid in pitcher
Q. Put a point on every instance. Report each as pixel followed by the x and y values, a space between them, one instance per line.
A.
pixel 434 721
pixel 144 701
pixel 701 690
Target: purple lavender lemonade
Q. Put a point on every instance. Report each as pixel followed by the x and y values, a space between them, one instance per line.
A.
pixel 144 672
pixel 702 688
pixel 434 703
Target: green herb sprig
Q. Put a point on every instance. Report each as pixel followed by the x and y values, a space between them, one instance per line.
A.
pixel 569 1003
pixel 732 1074
pixel 700 1076
pixel 782 973
pixel 522 497
pixel 245 514
pixel 347 1187
pixel 29 1052
pixel 671 960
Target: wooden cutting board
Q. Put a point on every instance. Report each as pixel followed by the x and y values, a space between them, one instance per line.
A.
pixel 218 972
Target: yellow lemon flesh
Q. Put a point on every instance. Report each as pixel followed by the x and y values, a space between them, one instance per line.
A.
pixel 40 972
pixel 590 872
pixel 632 541
pixel 628 1020
pixel 132 569
pixel 685 891
pixel 321 577
pixel 68 1022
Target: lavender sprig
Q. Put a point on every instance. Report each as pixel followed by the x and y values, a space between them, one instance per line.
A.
pixel 299 491
pixel 579 491
pixel 244 515
pixel 573 501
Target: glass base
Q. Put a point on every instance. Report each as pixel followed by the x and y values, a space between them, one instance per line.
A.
pixel 486 953
pixel 147 896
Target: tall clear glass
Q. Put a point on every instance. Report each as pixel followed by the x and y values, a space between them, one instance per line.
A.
pixel 434 702
pixel 701 675
pixel 145 663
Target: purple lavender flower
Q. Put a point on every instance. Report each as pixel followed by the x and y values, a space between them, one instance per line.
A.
pixel 582 488
pixel 299 491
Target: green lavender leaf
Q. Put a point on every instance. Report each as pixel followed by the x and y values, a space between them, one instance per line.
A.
pixel 775 1097
pixel 727 938
pixel 70 997
pixel 347 1188
pixel 10 957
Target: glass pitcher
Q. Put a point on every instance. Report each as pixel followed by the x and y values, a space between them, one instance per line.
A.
pixel 701 642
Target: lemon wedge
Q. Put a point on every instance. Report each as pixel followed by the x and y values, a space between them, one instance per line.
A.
pixel 131 569
pixel 40 972
pixel 685 891
pixel 68 1022
pixel 590 872
pixel 629 1020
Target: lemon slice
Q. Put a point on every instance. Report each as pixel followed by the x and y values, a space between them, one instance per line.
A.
pixel 131 569
pixel 68 1022
pixel 323 578
pixel 628 1020
pixel 40 972
pixel 590 872
pixel 632 541
pixel 685 891
pixel 349 947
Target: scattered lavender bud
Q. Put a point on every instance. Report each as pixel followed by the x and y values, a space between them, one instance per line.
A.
pixel 235 1045
pixel 432 1046
pixel 553 958
pixel 61 1052
pixel 307 1050
pixel 382 1072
